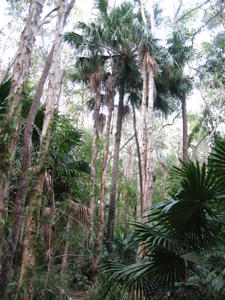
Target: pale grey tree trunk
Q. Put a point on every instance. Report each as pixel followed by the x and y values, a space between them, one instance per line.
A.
pixel 147 118
pixel 140 173
pixel 93 161
pixel 22 188
pixel 29 256
pixel 11 126
pixel 148 190
pixel 110 94
pixel 112 198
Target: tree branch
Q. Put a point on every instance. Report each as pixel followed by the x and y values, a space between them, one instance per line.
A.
pixel 192 10
pixel 44 21
pixel 205 24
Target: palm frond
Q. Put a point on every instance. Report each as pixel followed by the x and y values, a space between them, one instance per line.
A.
pixel 102 6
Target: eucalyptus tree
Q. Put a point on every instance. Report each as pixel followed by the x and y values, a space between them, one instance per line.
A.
pixel 11 125
pixel 29 255
pixel 22 187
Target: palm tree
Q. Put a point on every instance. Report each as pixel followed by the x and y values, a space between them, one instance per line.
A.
pixel 118 52
pixel 91 71
pixel 180 84
pixel 110 93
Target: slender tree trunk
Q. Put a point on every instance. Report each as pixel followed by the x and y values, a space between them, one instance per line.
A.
pixel 29 255
pixel 93 162
pixel 144 135
pixel 112 198
pixel 111 94
pixel 139 160
pixel 147 117
pixel 13 234
pixel 185 130
pixel 17 216
pixel 149 159
pixel 10 129
pixel 65 251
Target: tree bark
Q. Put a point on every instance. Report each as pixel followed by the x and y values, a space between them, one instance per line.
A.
pixel 93 161
pixel 144 135
pixel 147 118
pixel 185 130
pixel 22 189
pixel 139 160
pixel 148 191
pixel 11 127
pixel 112 198
pixel 29 255
pixel 104 173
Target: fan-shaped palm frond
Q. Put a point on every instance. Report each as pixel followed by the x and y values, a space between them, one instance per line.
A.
pixel 162 270
pixel 217 161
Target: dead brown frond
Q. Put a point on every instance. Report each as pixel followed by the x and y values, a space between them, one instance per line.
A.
pixel 109 89
pixel 49 187
pixel 101 122
pixel 49 237
pixel 148 61
pixel 126 111
pixel 95 79
pixel 80 212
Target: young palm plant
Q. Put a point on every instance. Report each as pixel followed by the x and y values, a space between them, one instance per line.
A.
pixel 183 233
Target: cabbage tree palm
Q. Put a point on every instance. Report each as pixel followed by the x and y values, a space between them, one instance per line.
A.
pixel 109 37
pixel 180 84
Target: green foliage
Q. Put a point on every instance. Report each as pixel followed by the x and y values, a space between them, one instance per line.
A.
pixel 178 244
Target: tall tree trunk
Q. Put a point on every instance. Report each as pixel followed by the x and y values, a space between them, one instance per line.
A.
pixel 110 97
pixel 11 127
pixel 18 210
pixel 185 130
pixel 93 161
pixel 139 159
pixel 112 198
pixel 144 136
pixel 29 255
pixel 22 189
pixel 148 191
pixel 148 64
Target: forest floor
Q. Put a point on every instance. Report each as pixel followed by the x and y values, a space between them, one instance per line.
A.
pixel 81 295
